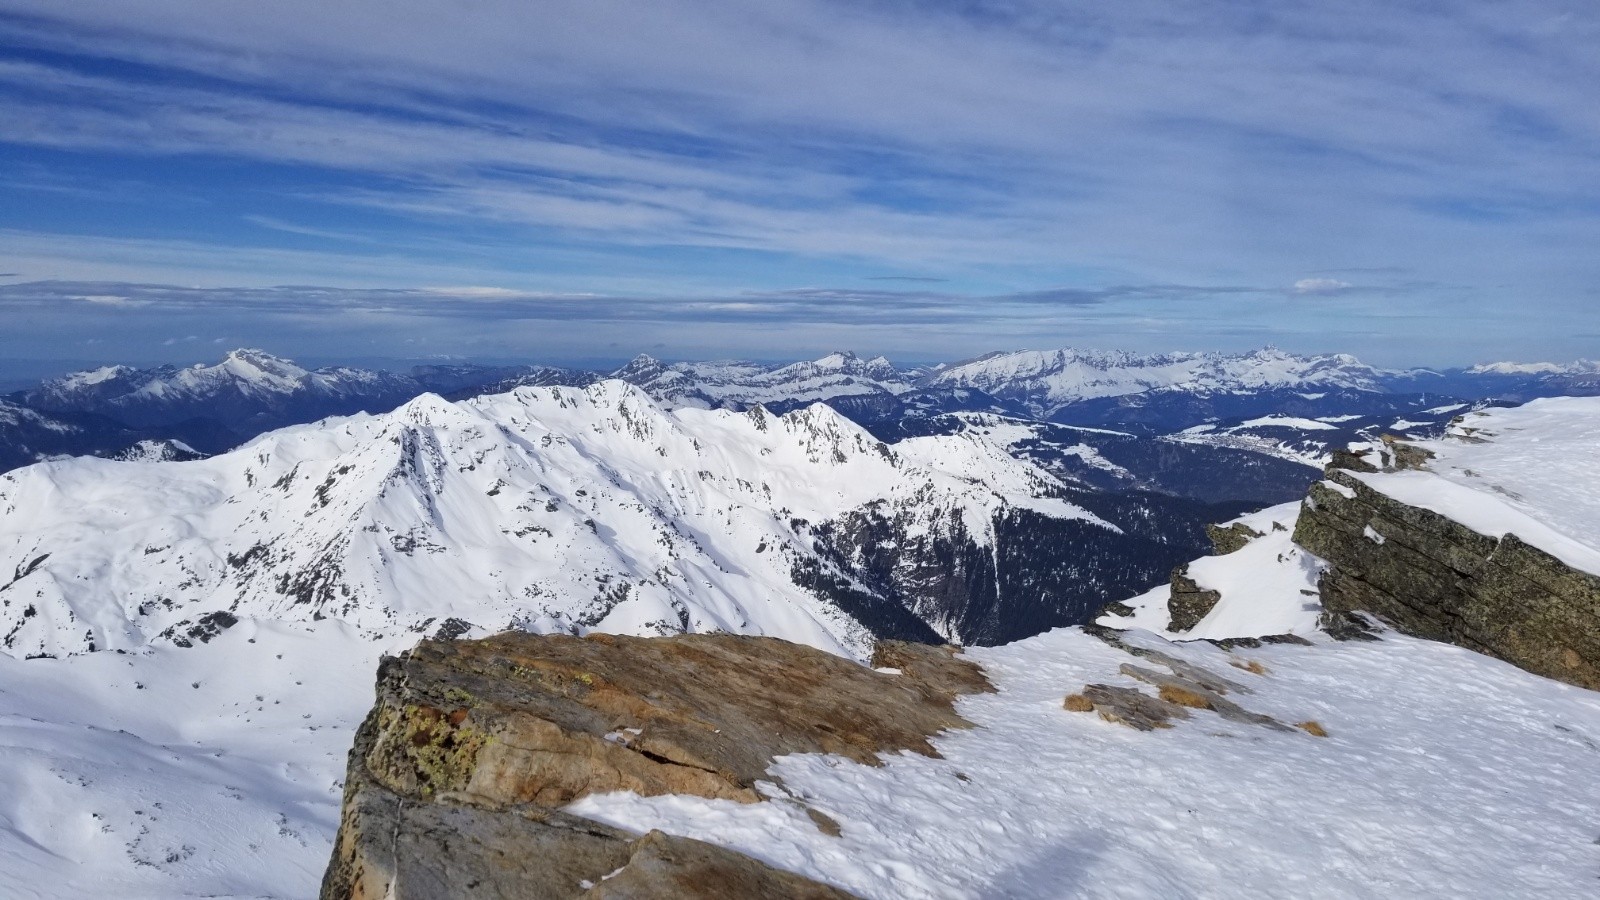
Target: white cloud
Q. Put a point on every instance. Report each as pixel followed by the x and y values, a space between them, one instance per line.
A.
pixel 1321 286
pixel 111 300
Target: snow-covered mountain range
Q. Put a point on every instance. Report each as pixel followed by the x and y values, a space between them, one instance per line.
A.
pixel 1048 380
pixel 550 508
pixel 214 407
pixel 740 385
pixel 248 387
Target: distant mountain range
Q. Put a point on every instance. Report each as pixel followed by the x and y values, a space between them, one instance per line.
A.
pixel 980 501
pixel 211 408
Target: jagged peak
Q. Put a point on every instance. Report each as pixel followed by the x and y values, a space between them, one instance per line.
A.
pixel 250 359
pixel 430 410
pixel 641 368
pixel 820 415
pixel 611 392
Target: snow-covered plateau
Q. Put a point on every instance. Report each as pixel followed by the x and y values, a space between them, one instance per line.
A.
pixel 147 768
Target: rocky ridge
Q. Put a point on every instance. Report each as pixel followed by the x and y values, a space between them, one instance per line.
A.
pixel 1428 575
pixel 458 776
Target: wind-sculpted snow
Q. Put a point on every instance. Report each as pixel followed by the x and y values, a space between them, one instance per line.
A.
pixel 555 509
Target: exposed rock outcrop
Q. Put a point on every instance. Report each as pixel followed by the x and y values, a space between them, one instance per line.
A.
pixel 1430 576
pixel 1188 602
pixel 1185 686
pixel 458 775
pixel 1230 538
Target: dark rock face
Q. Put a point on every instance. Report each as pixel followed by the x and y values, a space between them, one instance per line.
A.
pixel 1231 538
pixel 1428 575
pixel 458 775
pixel 1189 602
pixel 1037 574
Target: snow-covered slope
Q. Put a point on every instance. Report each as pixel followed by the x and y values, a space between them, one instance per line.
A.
pixel 738 385
pixel 1532 470
pixel 1048 380
pixel 1267 587
pixel 166 772
pixel 215 770
pixel 1444 775
pixel 1422 770
pixel 546 508
pixel 1312 440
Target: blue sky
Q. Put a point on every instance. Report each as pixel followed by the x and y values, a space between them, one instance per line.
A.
pixel 1414 182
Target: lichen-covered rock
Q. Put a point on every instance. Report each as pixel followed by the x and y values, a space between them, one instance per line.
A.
pixel 1188 602
pixel 1204 691
pixel 1130 707
pixel 1432 577
pixel 458 774
pixel 1230 538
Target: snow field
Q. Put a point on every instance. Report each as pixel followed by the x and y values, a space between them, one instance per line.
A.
pixel 1446 774
pixel 211 772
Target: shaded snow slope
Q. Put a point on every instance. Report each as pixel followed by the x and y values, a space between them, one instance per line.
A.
pixel 1445 774
pixel 545 508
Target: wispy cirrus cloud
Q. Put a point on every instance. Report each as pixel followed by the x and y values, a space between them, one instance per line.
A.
pixel 711 148
pixel 919 323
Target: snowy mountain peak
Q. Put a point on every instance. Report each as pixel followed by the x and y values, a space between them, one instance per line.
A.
pixel 433 411
pixel 640 369
pixel 245 368
pixel 91 377
pixel 550 508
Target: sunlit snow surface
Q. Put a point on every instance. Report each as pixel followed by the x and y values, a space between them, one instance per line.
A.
pixel 210 772
pixel 1053 378
pixel 1533 470
pixel 1446 774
